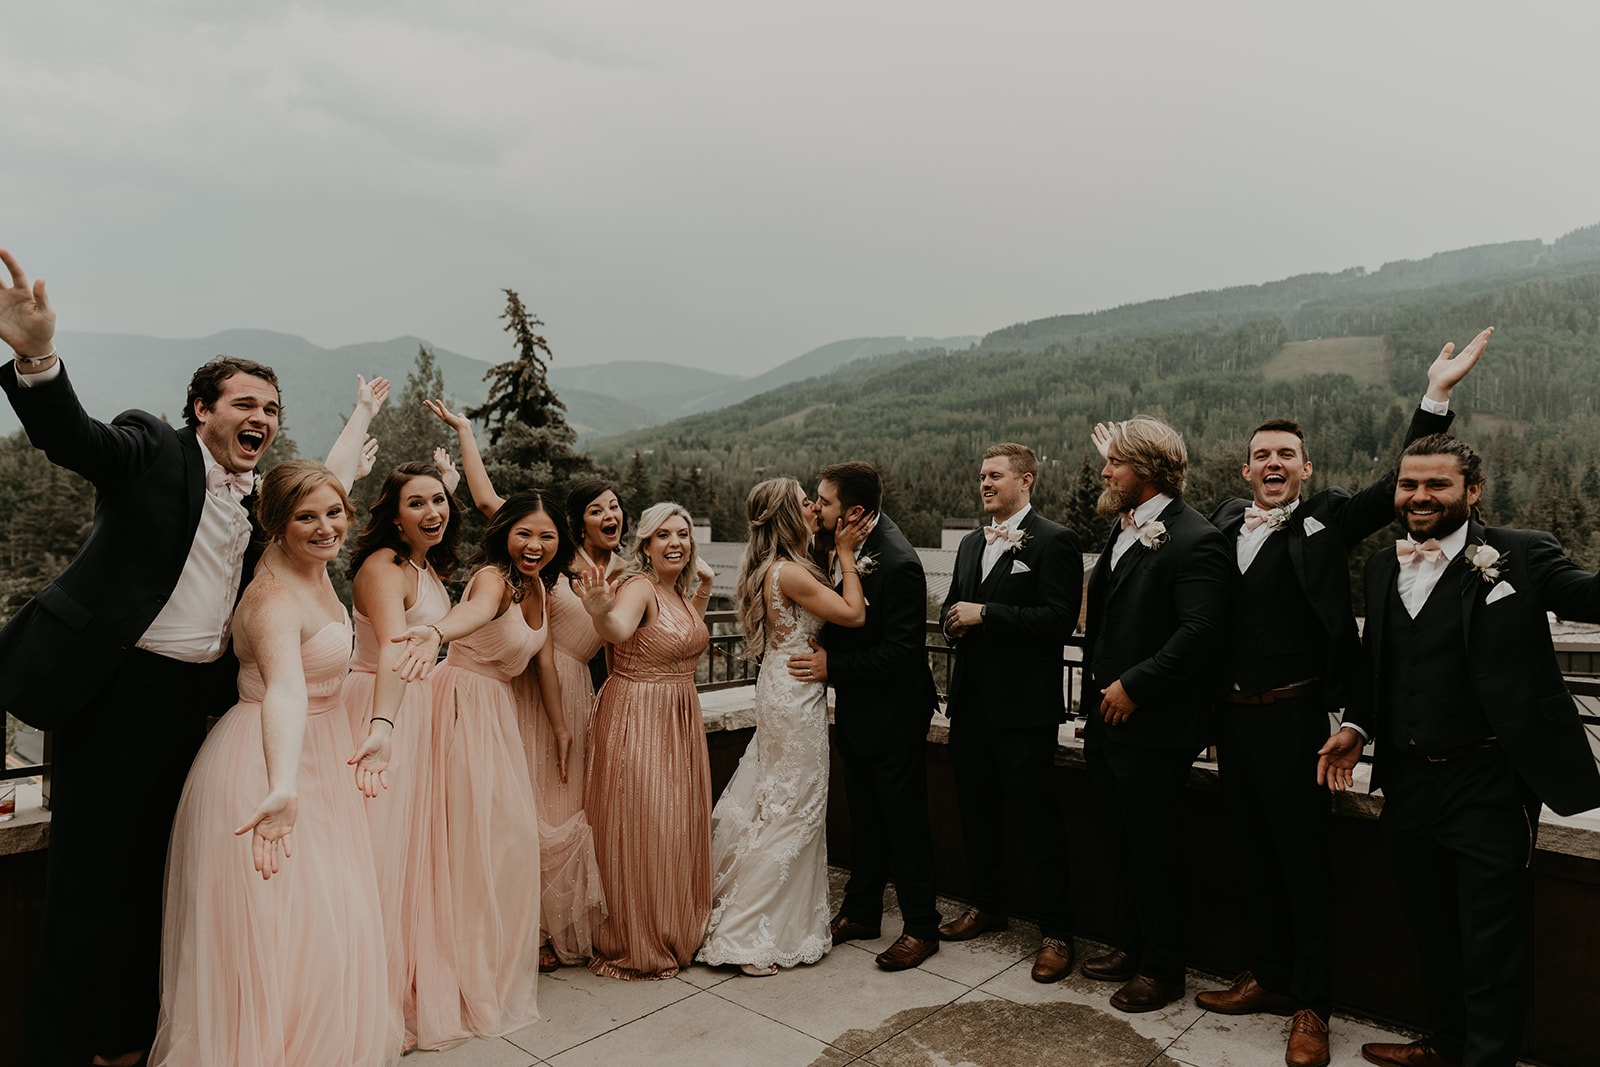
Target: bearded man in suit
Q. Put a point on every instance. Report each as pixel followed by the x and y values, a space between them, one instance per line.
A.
pixel 1158 602
pixel 1013 602
pixel 1294 579
pixel 1476 731
pixel 124 655
pixel 884 699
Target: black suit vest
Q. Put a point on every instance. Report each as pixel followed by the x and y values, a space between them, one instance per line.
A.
pixel 1426 674
pixel 1274 638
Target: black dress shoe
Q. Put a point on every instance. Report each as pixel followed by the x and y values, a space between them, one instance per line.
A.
pixel 907 952
pixel 1114 966
pixel 1144 993
pixel 844 930
pixel 972 923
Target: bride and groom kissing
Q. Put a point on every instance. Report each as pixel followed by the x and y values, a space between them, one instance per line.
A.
pixel 855 621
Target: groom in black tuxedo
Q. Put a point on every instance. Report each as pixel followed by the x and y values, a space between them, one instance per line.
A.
pixel 884 698
pixel 1158 601
pixel 123 656
pixel 1013 602
pixel 1294 578
pixel 1476 731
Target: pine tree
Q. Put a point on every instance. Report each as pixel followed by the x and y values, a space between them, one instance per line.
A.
pixel 638 492
pixel 519 390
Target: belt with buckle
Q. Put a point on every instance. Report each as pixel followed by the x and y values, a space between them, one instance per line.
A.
pixel 1272 696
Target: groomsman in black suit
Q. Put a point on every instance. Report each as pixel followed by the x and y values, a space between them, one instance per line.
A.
pixel 883 700
pixel 1013 602
pixel 124 655
pixel 1158 601
pixel 1475 732
pixel 1294 578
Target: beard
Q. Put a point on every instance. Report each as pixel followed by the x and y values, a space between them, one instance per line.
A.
pixel 1439 525
pixel 1114 500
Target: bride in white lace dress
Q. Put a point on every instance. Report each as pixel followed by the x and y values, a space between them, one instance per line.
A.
pixel 768 853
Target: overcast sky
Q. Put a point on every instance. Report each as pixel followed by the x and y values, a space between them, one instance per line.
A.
pixel 729 184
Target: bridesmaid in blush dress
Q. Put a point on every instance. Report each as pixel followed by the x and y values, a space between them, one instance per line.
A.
pixel 573 901
pixel 489 868
pixel 397 568
pixel 648 794
pixel 272 949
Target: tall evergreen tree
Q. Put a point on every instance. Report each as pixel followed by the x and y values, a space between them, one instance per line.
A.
pixel 638 491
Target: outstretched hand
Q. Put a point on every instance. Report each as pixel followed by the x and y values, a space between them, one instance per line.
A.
pixel 598 595
pixel 456 422
pixel 27 321
pixel 421 653
pixel 371 395
pixel 1445 373
pixel 1337 759
pixel 371 761
pixel 269 828
pixel 1100 437
pixel 447 470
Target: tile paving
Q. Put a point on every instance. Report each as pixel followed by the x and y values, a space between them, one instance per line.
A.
pixel 972 1003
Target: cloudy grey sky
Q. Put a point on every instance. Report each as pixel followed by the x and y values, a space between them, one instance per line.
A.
pixel 728 184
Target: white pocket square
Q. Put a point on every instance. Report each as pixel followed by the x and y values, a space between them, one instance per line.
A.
pixel 1311 526
pixel 1019 567
pixel 1499 592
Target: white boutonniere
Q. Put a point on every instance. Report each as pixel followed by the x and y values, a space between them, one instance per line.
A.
pixel 1486 560
pixel 1016 539
pixel 866 563
pixel 1278 517
pixel 1154 534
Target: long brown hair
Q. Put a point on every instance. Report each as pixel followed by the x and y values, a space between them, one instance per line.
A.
pixel 779 530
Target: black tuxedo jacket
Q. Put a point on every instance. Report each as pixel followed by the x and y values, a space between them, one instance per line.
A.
pixel 1321 560
pixel 1157 622
pixel 1514 670
pixel 64 646
pixel 1011 664
pixel 883 690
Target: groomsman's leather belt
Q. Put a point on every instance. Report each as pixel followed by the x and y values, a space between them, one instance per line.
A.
pixel 1452 753
pixel 1272 696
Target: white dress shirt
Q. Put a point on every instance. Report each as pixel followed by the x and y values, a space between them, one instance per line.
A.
pixel 993 551
pixel 1250 541
pixel 1141 517
pixel 1416 580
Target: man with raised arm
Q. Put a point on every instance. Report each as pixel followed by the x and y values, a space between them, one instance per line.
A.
pixel 1294 579
pixel 1475 730
pixel 123 657
pixel 1013 602
pixel 1158 600
pixel 883 700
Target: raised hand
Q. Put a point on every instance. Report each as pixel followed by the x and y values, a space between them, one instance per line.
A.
pixel 269 828
pixel 447 469
pixel 458 423
pixel 369 456
pixel 598 595
pixel 27 321
pixel 847 536
pixel 1100 437
pixel 421 652
pixel 371 761
pixel 704 572
pixel 1445 373
pixel 371 395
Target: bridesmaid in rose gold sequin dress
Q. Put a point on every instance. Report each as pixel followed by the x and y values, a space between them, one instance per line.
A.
pixel 648 794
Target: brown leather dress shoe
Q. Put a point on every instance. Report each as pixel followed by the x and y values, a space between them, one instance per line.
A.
pixel 1308 1040
pixel 906 953
pixel 1415 1054
pixel 1054 962
pixel 844 930
pixel 1114 966
pixel 1245 997
pixel 1144 993
pixel 972 923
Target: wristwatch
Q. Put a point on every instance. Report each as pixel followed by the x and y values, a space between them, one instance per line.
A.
pixel 983 611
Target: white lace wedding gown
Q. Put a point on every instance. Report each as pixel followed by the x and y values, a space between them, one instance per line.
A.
pixel 768 853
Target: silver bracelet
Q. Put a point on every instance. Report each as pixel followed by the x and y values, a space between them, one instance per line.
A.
pixel 34 361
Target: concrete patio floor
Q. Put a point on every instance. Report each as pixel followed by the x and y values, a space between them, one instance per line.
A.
pixel 972 1003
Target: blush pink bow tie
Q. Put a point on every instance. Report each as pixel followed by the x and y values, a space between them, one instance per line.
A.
pixel 1127 520
pixel 218 477
pixel 1409 551
pixel 1254 516
pixel 991 534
